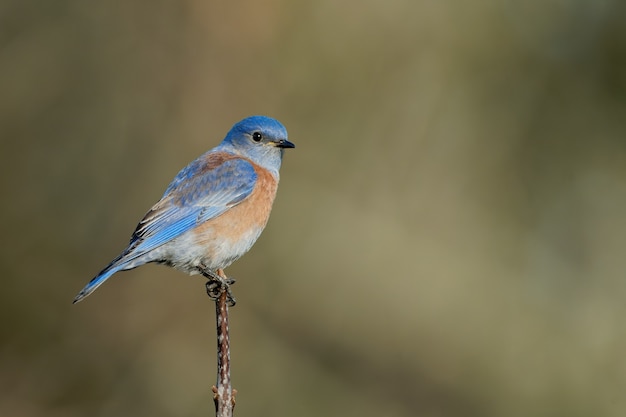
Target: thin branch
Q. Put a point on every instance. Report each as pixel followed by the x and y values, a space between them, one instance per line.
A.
pixel 223 393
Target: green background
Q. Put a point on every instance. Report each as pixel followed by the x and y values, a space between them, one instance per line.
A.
pixel 448 237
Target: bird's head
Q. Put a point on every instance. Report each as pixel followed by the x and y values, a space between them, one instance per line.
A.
pixel 260 139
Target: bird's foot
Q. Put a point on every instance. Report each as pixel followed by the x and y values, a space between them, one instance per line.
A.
pixel 217 285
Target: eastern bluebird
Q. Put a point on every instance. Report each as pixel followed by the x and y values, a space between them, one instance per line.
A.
pixel 214 209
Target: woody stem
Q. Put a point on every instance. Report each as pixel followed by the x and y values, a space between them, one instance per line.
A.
pixel 223 394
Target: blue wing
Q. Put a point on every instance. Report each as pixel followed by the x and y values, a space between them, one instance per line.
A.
pixel 203 190
pixel 197 194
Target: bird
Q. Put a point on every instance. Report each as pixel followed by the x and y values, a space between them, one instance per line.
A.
pixel 213 211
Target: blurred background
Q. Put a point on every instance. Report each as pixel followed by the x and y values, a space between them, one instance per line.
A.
pixel 448 237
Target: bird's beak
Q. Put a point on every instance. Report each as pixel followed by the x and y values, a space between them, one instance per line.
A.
pixel 284 143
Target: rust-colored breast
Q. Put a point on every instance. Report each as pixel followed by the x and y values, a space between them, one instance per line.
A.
pixel 250 215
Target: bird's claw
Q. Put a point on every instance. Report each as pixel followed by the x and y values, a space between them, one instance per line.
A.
pixel 218 285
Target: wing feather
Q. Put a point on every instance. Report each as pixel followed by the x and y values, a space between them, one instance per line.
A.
pixel 200 192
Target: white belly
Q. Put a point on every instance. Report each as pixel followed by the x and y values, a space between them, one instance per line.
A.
pixel 192 251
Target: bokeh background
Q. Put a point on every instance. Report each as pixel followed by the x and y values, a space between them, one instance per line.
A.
pixel 448 237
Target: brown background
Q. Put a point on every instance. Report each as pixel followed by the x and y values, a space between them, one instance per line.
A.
pixel 448 237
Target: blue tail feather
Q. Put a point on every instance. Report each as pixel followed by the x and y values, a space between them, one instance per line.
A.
pixel 96 282
pixel 112 268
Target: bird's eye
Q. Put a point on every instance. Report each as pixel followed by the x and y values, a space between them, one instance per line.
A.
pixel 257 136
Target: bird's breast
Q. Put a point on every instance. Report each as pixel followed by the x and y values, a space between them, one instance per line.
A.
pixel 230 235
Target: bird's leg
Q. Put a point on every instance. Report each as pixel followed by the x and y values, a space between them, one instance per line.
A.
pixel 217 284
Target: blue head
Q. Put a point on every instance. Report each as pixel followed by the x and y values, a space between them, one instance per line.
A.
pixel 260 139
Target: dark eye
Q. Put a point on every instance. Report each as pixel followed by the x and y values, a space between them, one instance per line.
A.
pixel 257 136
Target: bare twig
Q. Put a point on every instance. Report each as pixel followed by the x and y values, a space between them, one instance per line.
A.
pixel 223 394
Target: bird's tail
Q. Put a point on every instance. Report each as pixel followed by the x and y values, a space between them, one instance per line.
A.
pixel 99 279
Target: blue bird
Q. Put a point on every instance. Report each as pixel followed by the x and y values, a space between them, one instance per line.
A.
pixel 214 209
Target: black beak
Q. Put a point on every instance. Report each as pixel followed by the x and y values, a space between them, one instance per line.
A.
pixel 284 143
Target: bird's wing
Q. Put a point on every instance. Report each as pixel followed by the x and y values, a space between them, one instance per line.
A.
pixel 200 192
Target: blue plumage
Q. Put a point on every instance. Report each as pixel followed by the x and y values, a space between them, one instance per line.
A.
pixel 177 229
